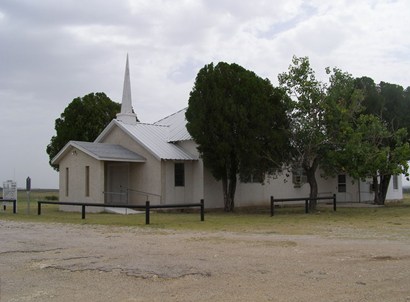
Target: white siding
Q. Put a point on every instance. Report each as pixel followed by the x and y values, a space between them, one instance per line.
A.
pixel 395 194
pixel 183 194
pixel 144 177
pixel 76 161
pixel 255 194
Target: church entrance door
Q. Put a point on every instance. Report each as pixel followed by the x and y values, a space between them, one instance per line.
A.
pixel 117 176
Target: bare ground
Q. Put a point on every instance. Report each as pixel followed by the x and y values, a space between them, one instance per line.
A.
pixel 58 262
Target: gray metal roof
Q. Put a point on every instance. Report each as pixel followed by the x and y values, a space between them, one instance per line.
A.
pixel 177 126
pixel 155 138
pixel 108 152
pixel 100 151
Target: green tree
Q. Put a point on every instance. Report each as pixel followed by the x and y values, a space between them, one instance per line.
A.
pixel 308 133
pixel 239 122
pixel 389 103
pixel 364 118
pixel 83 119
pixel 351 125
pixel 343 107
pixel 366 154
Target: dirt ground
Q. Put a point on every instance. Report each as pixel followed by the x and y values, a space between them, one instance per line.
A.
pixel 58 262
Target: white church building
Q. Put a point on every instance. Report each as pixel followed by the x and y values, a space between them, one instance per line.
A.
pixel 132 162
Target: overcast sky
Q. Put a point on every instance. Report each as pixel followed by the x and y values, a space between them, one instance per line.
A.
pixel 54 51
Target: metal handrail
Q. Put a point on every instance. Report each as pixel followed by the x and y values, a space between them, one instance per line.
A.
pixel 127 190
pixel 118 193
pixel 114 193
pixel 143 193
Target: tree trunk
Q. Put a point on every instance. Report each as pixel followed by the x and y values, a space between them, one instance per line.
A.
pixel 229 188
pixel 376 189
pixel 227 201
pixel 311 178
pixel 384 186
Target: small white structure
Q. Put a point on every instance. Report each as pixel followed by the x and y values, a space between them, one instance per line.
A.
pixel 131 162
pixel 9 193
pixel 10 190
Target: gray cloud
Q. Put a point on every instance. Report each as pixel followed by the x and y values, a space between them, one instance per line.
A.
pixel 53 51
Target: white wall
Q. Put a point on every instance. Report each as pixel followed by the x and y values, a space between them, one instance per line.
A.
pixel 197 171
pixel 192 191
pixel 76 161
pixel 144 177
pixel 213 195
pixel 255 194
pixel 180 194
pixel 395 194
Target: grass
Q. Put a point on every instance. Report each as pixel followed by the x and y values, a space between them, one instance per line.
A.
pixel 37 194
pixel 390 221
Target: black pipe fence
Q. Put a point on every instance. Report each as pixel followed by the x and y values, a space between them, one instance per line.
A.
pixel 305 199
pixel 147 207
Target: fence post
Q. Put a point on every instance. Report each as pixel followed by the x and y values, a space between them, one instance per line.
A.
pixel 38 208
pixel 14 206
pixel 334 202
pixel 272 206
pixel 83 212
pixel 202 210
pixel 147 212
pixel 306 206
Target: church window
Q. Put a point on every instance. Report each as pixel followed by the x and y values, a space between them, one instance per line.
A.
pixel 67 181
pixel 87 181
pixel 179 174
pixel 395 182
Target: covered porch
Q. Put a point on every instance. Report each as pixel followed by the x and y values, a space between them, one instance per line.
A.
pixel 124 184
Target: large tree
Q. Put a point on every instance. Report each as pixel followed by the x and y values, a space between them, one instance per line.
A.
pixel 343 108
pixel 351 125
pixel 364 120
pixel 389 103
pixel 239 122
pixel 308 133
pixel 83 119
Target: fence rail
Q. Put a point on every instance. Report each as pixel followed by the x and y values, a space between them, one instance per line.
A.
pixel 14 201
pixel 305 199
pixel 147 207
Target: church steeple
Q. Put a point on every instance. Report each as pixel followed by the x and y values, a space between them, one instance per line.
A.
pixel 126 115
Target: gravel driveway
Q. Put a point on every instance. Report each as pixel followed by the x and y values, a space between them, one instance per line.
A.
pixel 60 262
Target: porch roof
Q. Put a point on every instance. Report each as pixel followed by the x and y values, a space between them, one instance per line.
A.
pixel 100 151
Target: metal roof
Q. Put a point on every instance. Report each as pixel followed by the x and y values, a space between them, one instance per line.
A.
pixel 155 138
pixel 177 126
pixel 100 151
pixel 108 152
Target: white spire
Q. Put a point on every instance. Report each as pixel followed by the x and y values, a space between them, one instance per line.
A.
pixel 127 116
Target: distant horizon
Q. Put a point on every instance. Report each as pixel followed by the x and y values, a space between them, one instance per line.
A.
pixel 405 185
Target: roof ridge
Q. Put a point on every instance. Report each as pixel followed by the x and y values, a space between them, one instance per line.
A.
pixel 148 124
pixel 142 123
pixel 171 115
